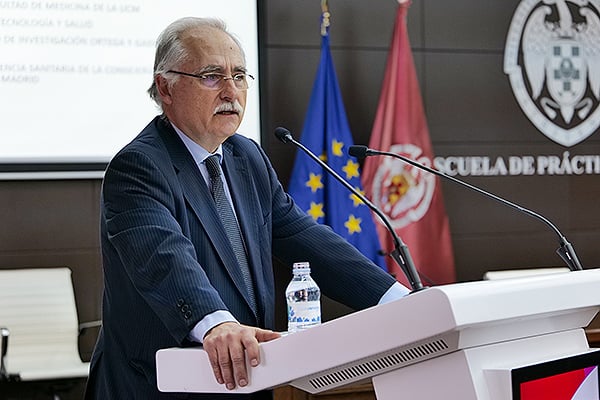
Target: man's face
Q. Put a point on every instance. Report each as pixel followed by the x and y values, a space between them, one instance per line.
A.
pixel 191 106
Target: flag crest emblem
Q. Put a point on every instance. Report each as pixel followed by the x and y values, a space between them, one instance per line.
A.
pixel 401 190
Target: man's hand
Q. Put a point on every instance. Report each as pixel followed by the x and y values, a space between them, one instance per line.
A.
pixel 228 345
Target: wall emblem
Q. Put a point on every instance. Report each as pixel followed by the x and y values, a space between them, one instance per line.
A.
pixel 552 57
pixel 401 191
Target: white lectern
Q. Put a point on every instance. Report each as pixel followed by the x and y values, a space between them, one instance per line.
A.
pixel 460 341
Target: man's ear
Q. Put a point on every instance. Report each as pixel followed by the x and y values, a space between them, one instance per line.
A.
pixel 164 90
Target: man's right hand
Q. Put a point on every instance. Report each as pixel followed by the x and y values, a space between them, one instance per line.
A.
pixel 228 345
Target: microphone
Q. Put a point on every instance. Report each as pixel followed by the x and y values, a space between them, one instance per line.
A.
pixel 400 254
pixel 565 250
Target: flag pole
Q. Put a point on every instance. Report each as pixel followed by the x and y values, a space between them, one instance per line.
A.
pixel 325 14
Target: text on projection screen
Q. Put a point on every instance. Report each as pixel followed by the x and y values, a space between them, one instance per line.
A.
pixel 74 74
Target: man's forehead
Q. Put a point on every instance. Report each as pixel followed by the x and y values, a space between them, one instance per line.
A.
pixel 209 37
pixel 212 46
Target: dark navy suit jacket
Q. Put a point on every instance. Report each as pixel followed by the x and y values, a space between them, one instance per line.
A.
pixel 168 263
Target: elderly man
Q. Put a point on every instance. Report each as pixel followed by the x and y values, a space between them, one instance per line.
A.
pixel 192 214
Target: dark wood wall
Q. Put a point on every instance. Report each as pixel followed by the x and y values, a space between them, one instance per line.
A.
pixel 458 48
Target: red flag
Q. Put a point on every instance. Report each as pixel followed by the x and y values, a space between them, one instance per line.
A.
pixel 410 197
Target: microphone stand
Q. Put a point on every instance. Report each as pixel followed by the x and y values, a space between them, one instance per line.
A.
pixel 400 254
pixel 565 250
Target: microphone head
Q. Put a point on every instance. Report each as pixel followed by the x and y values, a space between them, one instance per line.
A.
pixel 283 134
pixel 358 151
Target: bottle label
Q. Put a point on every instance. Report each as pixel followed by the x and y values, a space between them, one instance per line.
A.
pixel 303 315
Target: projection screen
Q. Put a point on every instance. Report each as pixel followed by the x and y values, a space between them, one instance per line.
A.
pixel 74 75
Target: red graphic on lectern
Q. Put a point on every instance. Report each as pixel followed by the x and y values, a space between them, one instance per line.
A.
pixel 581 384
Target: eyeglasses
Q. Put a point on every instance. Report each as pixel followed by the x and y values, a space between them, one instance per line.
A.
pixel 213 81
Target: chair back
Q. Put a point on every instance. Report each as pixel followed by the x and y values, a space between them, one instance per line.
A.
pixel 37 306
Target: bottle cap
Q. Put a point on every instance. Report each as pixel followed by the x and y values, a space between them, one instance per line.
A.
pixel 302 266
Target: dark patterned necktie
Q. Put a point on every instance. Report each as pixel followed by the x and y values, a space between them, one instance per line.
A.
pixel 229 221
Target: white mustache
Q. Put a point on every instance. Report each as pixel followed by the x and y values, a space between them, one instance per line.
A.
pixel 229 107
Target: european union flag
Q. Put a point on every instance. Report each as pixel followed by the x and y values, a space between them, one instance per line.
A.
pixel 327 133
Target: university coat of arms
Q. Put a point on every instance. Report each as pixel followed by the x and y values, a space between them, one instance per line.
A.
pixel 552 57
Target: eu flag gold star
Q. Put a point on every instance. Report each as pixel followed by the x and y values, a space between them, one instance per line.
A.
pixel 316 210
pixel 314 182
pixel 336 148
pixel 353 224
pixel 351 169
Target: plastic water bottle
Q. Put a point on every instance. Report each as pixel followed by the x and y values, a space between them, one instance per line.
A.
pixel 303 299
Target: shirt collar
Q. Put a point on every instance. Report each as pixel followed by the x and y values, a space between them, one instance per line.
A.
pixel 198 152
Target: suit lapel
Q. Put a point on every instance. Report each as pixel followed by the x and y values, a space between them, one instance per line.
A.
pixel 197 195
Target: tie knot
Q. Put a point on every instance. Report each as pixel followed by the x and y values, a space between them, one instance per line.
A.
pixel 213 166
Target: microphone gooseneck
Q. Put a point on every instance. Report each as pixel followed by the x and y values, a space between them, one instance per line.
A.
pixel 565 250
pixel 400 254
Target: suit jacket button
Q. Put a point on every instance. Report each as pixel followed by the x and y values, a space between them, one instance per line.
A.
pixel 187 315
pixel 185 308
pixel 180 302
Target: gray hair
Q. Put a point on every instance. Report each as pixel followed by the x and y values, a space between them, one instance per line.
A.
pixel 170 51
